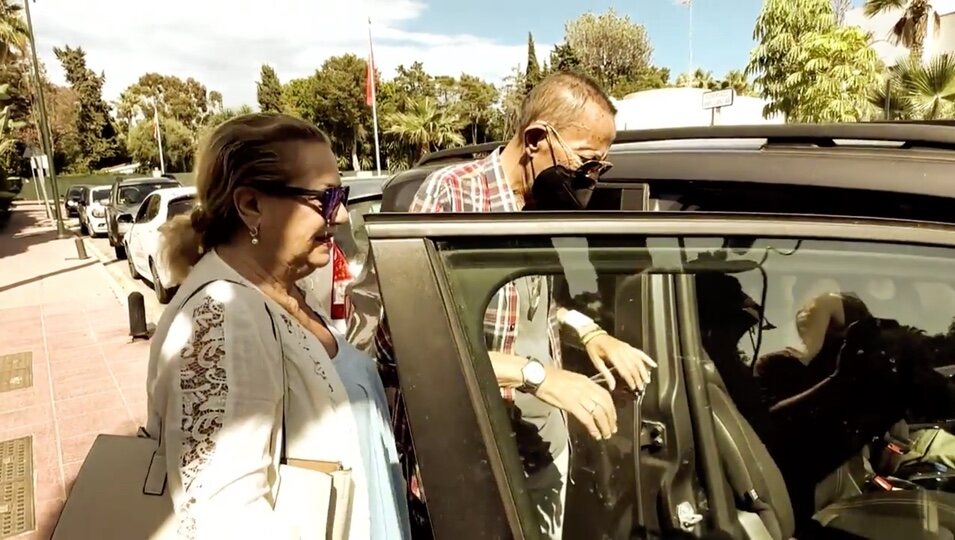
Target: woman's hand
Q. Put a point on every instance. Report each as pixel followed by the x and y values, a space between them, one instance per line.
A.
pixel 586 400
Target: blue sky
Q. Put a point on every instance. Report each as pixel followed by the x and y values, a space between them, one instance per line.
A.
pixel 223 43
pixel 722 29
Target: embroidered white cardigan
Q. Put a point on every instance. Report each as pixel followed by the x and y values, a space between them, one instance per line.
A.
pixel 215 386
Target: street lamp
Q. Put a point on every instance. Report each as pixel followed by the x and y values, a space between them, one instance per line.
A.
pixel 44 128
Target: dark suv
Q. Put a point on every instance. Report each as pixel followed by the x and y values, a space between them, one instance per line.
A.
pixel 125 197
pixel 705 247
pixel 72 198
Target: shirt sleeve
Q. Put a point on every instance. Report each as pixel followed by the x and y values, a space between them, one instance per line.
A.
pixel 221 439
pixel 434 195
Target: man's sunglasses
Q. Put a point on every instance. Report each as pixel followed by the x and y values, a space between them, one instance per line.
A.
pixel 330 198
pixel 593 168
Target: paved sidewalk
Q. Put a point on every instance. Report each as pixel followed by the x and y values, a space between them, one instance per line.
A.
pixel 88 378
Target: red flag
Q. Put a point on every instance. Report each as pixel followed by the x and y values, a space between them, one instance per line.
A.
pixel 370 72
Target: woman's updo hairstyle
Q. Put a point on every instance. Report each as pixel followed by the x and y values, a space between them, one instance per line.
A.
pixel 259 147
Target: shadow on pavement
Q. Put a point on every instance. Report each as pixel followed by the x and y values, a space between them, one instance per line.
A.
pixel 45 276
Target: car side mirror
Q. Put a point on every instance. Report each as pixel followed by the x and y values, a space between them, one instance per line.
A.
pixel 124 218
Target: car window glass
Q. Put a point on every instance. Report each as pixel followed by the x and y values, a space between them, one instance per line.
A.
pixel 835 357
pixel 142 213
pixel 152 208
pixel 137 193
pixel 98 195
pixel 179 207
pixel 837 343
pixel 580 486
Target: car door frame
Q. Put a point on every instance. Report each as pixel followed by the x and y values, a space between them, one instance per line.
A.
pixel 450 440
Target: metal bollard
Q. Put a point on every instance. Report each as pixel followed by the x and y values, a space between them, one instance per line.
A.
pixel 137 316
pixel 80 249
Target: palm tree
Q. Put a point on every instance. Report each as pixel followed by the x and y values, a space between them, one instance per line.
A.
pixel 737 80
pixel 425 125
pixel 14 34
pixel 920 91
pixel 912 27
pixel 700 78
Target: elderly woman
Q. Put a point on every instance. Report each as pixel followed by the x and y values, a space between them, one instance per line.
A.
pixel 243 369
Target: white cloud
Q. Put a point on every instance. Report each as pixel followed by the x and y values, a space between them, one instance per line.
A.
pixel 223 43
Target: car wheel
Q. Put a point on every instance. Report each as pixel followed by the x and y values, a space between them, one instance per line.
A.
pixel 120 251
pixel 162 293
pixel 132 268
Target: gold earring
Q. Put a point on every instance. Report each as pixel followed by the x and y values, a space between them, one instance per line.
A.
pixel 254 233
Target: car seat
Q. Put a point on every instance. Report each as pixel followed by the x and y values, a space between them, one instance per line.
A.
pixel 764 507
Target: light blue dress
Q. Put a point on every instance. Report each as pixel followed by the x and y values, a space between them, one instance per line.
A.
pixel 386 493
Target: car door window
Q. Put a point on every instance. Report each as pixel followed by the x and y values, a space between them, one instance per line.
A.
pixel 179 207
pixel 148 209
pixel 578 486
pixel 833 355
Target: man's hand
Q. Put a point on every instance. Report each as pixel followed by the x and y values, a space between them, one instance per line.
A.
pixel 630 362
pixel 586 400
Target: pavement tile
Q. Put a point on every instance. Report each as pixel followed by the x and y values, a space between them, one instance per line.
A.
pixel 71 408
pixel 94 422
pixel 36 415
pixel 47 514
pixel 49 483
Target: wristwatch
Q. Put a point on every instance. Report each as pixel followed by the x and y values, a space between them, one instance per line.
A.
pixel 532 375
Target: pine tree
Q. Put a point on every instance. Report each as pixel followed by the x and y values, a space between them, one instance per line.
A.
pixel 269 90
pixel 99 146
pixel 533 74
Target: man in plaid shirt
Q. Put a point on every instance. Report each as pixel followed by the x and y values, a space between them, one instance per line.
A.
pixel 565 132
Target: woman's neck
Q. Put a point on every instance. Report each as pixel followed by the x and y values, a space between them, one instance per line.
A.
pixel 273 277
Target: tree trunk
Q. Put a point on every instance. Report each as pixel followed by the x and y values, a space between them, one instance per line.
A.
pixel 920 15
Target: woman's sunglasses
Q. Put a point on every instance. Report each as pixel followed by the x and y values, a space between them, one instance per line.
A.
pixel 330 198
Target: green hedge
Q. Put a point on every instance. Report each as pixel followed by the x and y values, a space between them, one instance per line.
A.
pixel 64 182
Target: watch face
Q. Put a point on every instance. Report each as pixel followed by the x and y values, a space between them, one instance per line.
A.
pixel 534 373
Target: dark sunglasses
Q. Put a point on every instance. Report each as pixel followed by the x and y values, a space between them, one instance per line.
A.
pixel 330 198
pixel 594 168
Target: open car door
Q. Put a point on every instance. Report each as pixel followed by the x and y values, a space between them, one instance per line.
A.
pixel 679 470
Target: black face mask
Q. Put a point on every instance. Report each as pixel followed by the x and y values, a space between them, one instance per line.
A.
pixel 560 188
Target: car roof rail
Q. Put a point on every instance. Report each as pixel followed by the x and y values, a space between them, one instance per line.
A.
pixel 464 153
pixel 908 134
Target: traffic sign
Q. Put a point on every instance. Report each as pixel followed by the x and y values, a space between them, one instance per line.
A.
pixel 718 98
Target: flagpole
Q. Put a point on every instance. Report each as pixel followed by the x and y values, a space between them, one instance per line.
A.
pixel 374 99
pixel 162 161
pixel 690 36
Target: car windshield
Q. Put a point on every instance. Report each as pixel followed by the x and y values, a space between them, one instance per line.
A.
pixel 181 206
pixel 99 194
pixel 135 194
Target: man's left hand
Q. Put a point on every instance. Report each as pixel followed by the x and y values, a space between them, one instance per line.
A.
pixel 631 363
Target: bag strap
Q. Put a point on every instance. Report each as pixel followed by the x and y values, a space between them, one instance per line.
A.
pixel 155 482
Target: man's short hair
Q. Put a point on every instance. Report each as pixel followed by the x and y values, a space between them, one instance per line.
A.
pixel 559 98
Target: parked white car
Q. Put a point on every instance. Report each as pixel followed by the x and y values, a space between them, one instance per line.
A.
pixel 142 240
pixel 92 210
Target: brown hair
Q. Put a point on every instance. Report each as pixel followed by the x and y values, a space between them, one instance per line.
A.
pixel 559 98
pixel 259 147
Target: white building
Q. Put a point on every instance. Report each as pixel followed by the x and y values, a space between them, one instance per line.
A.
pixel 940 39
pixel 683 107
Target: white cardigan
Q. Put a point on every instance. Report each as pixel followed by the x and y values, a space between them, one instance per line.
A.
pixel 215 386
